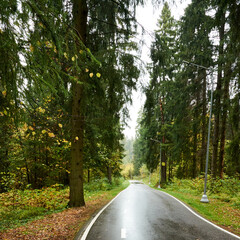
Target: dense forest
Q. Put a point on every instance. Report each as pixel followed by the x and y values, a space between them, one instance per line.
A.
pixel 67 71
pixel 186 56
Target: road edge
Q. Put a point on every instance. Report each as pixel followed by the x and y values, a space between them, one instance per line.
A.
pixel 83 232
pixel 199 216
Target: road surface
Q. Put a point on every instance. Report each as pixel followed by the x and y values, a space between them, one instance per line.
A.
pixel 142 213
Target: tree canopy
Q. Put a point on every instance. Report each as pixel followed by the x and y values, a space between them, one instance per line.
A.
pixel 177 102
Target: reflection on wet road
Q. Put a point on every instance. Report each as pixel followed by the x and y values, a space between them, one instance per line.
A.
pixel 142 213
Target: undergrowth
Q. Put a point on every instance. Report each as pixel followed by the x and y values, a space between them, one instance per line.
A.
pixel 225 190
pixel 17 207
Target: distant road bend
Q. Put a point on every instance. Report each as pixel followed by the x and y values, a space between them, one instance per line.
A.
pixel 142 213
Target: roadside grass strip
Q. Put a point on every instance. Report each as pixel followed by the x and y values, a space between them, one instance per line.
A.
pixel 201 210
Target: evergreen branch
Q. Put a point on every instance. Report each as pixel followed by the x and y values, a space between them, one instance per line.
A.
pixel 44 20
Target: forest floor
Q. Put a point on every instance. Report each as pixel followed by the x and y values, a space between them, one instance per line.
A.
pixel 63 224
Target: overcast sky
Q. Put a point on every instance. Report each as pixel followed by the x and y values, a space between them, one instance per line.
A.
pixel 147 16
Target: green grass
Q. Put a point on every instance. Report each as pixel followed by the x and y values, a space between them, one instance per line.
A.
pixel 17 217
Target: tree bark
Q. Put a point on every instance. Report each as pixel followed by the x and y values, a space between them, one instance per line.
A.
pixel 195 132
pixel 163 157
pixel 227 74
pixel 204 124
pixel 194 159
pixel 218 101
pixel 76 163
pixel 109 174
pixel 88 175
pixel 196 122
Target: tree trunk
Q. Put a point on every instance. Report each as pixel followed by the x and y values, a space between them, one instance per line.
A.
pixel 195 126
pixel 109 174
pixel 227 74
pixel 88 175
pixel 169 169
pixel 204 124
pixel 76 162
pixel 163 157
pixel 194 152
pixel 195 142
pixel 35 171
pixel 218 101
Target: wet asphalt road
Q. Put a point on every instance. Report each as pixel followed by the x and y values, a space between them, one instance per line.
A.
pixel 142 213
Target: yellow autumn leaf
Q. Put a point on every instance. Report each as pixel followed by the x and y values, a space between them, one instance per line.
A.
pixel 1 114
pixel 81 51
pixel 86 70
pixel 33 133
pixel 44 131
pixel 41 110
pixel 51 135
pixel 5 112
pixel 4 93
pixel 91 75
pixel 98 75
pixel 25 127
pixel 73 59
pixel 31 48
pixel 65 55
pixel 76 138
pixel 30 128
pixel 60 125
